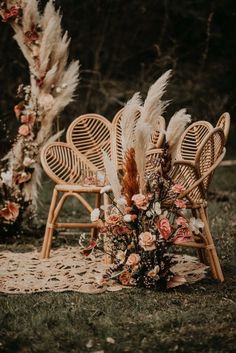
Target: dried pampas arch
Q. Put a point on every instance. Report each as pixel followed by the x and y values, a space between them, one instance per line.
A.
pixel 52 85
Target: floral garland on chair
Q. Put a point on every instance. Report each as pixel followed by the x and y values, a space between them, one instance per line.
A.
pixel 147 214
pixel 52 86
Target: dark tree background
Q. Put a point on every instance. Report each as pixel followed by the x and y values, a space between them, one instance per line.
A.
pixel 123 46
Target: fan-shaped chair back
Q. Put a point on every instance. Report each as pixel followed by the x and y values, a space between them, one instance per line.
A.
pixel 89 134
pixel 191 140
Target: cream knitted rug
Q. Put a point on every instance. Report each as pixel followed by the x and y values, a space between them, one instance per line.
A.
pixel 69 270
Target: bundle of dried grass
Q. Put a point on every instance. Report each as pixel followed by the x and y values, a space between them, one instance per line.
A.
pixel 112 176
pixel 130 178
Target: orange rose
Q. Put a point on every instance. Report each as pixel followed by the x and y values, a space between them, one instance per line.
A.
pixel 24 130
pixel 125 278
pixel 113 219
pixel 164 228
pixel 147 241
pixel 153 273
pixel 10 212
pixel 140 201
pixel 133 260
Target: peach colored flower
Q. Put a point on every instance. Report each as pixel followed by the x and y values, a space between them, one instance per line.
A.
pixel 10 212
pixel 181 221
pixel 125 278
pixel 178 188
pixel 183 235
pixel 24 130
pixel 113 219
pixel 140 201
pixel 152 273
pixel 133 260
pixel 147 241
pixel 164 228
pixel 180 203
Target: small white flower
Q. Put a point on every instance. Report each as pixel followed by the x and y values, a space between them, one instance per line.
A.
pixel 157 208
pixel 106 188
pixel 95 215
pixel 149 213
pixel 7 178
pixel 127 218
pixel 195 224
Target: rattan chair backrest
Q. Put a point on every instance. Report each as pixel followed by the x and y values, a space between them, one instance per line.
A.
pixel 61 163
pixel 224 123
pixel 188 172
pixel 89 134
pixel 191 140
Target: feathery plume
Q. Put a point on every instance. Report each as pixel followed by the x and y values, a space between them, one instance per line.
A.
pixel 129 120
pixel 112 175
pixel 175 129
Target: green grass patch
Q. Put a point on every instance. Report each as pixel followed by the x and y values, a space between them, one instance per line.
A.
pixel 196 318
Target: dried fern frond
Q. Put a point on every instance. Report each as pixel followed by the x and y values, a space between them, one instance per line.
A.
pixel 30 15
pixel 130 178
pixel 112 175
pixel 128 121
pixel 175 129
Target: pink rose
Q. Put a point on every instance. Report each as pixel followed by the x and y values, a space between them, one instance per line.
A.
pixel 140 201
pixel 164 228
pixel 153 273
pixel 24 130
pixel 147 241
pixel 180 203
pixel 10 212
pixel 181 221
pixel 113 219
pixel 178 188
pixel 133 260
pixel 183 235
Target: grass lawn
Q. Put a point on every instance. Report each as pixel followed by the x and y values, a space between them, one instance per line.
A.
pixel 196 318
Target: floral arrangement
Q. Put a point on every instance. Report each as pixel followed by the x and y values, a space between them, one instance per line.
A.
pixel 147 213
pixel 52 85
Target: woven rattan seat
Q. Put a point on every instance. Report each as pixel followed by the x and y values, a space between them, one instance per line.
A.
pixel 194 171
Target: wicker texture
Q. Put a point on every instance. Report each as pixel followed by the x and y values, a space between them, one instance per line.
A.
pixel 224 123
pixel 195 174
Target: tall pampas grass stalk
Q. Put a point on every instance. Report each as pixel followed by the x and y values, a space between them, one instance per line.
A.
pixel 52 83
pixel 129 120
pixel 175 129
pixel 148 122
pixel 112 176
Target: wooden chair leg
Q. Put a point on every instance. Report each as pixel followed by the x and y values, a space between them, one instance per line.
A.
pixel 49 226
pixel 210 248
pixel 94 231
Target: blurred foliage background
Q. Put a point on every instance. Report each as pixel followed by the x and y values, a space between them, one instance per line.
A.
pixel 124 46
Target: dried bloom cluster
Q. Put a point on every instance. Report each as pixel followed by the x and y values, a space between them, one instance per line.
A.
pixel 52 86
pixel 137 237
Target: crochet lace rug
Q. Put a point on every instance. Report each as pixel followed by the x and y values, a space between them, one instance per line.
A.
pixel 69 270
